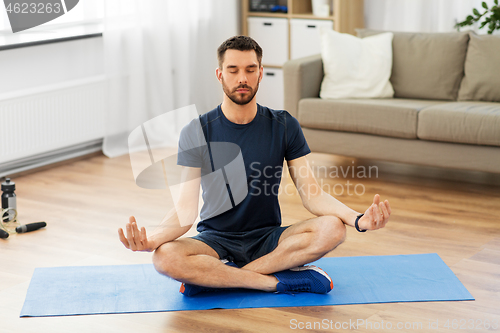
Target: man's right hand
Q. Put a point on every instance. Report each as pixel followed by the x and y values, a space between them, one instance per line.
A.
pixel 136 240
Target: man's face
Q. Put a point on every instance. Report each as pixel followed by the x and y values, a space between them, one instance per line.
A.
pixel 240 75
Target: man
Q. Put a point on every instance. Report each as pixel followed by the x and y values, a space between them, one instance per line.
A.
pixel 246 246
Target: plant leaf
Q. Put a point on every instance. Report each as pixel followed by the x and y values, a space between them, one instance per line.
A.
pixel 491 17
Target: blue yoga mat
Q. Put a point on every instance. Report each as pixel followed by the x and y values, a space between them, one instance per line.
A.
pixel 60 291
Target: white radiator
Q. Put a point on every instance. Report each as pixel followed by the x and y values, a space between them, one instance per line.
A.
pixel 41 120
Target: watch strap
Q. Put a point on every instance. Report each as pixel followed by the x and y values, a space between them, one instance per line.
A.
pixel 356 223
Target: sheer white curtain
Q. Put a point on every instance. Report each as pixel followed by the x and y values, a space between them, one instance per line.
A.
pixel 420 15
pixel 160 55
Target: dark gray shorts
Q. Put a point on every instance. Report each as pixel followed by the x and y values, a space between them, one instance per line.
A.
pixel 242 247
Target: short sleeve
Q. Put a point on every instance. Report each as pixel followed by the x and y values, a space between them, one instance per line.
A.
pixel 191 145
pixel 296 144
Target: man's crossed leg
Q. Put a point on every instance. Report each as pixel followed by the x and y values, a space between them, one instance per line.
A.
pixel 195 263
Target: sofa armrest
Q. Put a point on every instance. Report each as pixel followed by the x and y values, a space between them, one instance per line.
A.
pixel 302 79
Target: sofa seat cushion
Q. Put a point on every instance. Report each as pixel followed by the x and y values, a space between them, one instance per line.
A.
pixel 388 117
pixel 461 122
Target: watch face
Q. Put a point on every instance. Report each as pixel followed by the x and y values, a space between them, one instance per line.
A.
pixel 24 14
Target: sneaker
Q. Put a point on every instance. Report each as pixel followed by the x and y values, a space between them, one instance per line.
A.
pixel 304 279
pixel 192 289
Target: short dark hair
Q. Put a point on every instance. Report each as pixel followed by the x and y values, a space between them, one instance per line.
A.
pixel 240 43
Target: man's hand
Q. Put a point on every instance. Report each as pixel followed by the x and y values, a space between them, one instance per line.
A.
pixel 376 216
pixel 136 240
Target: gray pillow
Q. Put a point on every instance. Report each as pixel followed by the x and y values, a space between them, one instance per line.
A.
pixel 482 69
pixel 426 65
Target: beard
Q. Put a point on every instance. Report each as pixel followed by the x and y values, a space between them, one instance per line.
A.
pixel 239 98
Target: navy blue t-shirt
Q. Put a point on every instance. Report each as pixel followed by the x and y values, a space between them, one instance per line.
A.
pixel 270 138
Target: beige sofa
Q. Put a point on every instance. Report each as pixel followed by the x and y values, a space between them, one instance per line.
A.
pixel 445 111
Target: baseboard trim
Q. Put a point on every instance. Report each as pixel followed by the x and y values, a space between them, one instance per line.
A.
pixel 50 159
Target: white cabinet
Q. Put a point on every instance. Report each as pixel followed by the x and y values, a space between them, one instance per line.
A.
pixel 305 37
pixel 272 36
pixel 271 90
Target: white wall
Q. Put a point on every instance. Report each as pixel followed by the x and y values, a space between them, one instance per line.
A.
pixel 47 64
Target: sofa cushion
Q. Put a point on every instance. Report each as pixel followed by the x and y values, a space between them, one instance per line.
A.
pixel 461 122
pixel 388 117
pixel 426 65
pixel 356 67
pixel 482 69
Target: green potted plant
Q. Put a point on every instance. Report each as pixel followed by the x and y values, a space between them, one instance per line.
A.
pixel 491 18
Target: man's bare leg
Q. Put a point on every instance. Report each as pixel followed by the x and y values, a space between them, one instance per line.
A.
pixel 301 244
pixel 191 261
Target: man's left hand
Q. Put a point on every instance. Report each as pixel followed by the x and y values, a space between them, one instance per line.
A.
pixel 376 216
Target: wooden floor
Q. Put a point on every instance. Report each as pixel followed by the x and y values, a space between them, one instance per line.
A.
pixel 84 202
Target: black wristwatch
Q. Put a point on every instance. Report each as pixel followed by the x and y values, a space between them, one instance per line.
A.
pixel 356 223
